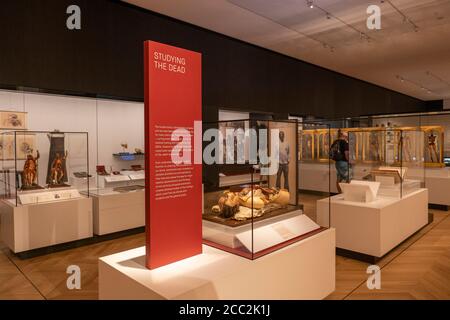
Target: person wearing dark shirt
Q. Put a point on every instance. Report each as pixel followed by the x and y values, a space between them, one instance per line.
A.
pixel 340 154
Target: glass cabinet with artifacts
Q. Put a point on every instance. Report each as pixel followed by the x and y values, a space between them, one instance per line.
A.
pixel 45 189
pixel 434 145
pixel 251 200
pixel 392 159
pixel 374 144
pixel 40 166
pixel 315 144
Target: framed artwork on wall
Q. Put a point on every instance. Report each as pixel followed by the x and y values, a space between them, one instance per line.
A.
pixel 13 120
pixel 25 144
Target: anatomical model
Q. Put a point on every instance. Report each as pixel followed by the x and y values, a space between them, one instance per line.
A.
pixel 405 144
pixel 57 170
pixel 432 147
pixel 374 146
pixel 29 171
pixel 251 202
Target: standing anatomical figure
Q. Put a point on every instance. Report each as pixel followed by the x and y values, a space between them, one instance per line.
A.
pixel 57 171
pixel 29 170
pixel 432 147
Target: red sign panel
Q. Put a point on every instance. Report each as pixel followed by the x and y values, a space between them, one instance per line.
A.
pixel 173 190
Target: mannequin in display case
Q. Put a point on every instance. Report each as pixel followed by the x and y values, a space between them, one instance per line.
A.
pixel 283 167
pixel 29 174
pixel 432 147
pixel 57 169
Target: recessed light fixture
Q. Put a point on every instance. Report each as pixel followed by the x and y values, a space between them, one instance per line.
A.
pixel 406 19
pixel 418 85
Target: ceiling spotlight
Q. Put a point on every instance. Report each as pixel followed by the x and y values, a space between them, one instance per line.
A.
pixel 310 3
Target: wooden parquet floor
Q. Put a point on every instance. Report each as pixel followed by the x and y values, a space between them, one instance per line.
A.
pixel 418 269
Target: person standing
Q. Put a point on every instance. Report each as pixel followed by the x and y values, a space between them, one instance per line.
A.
pixel 339 152
pixel 283 167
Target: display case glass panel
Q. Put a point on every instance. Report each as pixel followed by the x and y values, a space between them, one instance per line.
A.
pixel 308 152
pixel 251 199
pixel 42 167
pixel 396 161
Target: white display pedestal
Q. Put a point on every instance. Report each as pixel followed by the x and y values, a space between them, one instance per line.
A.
pixel 303 270
pixel 114 211
pixel 377 227
pixel 437 181
pixel 320 177
pixel 439 190
pixel 28 227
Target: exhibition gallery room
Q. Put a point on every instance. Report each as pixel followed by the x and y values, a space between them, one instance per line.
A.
pixel 252 150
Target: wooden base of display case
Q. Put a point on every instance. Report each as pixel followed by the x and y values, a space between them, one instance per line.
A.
pixel 303 270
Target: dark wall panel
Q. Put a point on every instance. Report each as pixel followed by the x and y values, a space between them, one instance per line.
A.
pixel 105 59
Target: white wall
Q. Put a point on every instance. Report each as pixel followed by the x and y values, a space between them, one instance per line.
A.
pixel 108 123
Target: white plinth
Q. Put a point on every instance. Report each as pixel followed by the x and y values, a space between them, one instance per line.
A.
pixel 304 270
pixel 439 189
pixel 377 227
pixel 33 226
pixel 317 177
pixel 114 211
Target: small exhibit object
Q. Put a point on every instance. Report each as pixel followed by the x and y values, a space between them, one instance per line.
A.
pixel 388 176
pixel 360 191
pixel 82 175
pixel 128 188
pixel 48 196
pixel 29 173
pixel 101 171
pixel 58 169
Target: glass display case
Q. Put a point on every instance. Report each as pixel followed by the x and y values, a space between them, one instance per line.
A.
pixel 392 157
pixel 251 199
pixel 42 166
pixel 434 145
